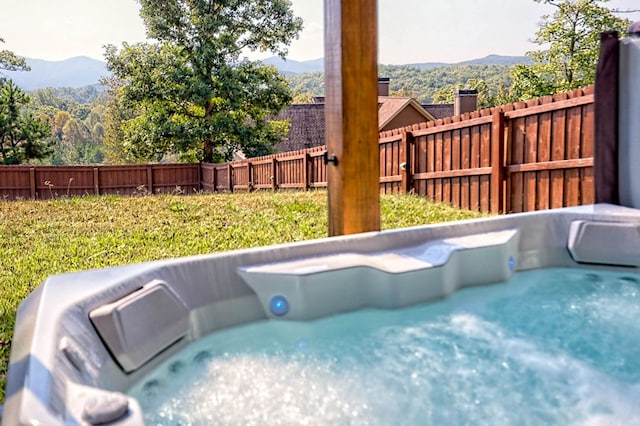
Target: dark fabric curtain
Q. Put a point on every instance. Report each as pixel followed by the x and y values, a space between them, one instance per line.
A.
pixel 606 120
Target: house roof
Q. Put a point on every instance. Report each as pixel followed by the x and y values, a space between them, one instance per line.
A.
pixel 307 128
pixel 439 110
pixel 390 106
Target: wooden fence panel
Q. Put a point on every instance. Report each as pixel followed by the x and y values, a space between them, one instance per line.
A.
pixel 175 178
pixel 485 163
pixel 572 176
pixel 390 160
pixel 544 155
pixel 453 162
pixel 465 163
pixel 263 173
pixel 516 156
pixel 53 182
pixel 293 172
pixel 317 170
pixel 16 182
pixel 551 152
pixel 125 180
pixel 587 146
pixel 430 162
pixel 456 164
pixel 46 182
pixel 558 137
pixel 240 176
pixel 446 164
pixel 223 178
pixel 208 176
pixel 475 163
pixel 530 156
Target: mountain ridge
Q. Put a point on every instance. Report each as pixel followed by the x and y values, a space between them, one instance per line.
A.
pixel 82 71
pixel 76 72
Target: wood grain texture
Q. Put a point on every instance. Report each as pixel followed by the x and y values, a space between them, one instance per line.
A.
pixel 351 88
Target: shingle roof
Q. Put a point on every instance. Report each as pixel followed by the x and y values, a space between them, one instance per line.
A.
pixel 307 128
pixel 439 110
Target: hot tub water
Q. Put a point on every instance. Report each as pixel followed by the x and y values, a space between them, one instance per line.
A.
pixel 554 346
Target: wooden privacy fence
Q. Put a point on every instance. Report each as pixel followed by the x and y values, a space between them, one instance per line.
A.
pixel 45 182
pixel 519 157
pixel 302 169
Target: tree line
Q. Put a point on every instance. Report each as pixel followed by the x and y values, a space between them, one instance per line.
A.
pixel 192 96
pixel 429 85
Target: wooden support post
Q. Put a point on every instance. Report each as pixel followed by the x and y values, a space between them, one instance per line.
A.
pixel 351 89
pixel 497 163
pixel 249 176
pixel 214 179
pixel 230 176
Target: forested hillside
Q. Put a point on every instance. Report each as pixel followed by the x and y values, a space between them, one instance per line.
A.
pixel 77 115
pixel 428 85
pixel 76 119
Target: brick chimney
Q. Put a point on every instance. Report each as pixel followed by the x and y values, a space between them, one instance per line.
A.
pixel 465 101
pixel 383 86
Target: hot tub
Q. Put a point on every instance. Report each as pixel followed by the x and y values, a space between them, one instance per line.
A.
pixel 83 340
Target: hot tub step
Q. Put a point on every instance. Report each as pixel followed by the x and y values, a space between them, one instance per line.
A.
pixel 319 286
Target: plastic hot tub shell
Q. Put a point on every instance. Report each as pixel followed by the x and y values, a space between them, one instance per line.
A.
pixel 82 340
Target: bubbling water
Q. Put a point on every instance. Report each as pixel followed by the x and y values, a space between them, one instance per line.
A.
pixel 554 346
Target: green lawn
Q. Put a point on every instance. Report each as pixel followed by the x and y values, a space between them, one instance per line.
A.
pixel 41 238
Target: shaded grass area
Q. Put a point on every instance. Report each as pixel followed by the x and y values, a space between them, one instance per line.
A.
pixel 42 238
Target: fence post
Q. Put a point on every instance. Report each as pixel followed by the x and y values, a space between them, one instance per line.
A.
pixel 274 171
pixel 32 182
pixel 249 176
pixel 230 176
pixel 96 181
pixel 306 171
pixel 497 163
pixel 214 178
pixel 405 162
pixel 150 179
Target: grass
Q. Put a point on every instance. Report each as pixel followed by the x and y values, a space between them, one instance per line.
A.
pixel 42 238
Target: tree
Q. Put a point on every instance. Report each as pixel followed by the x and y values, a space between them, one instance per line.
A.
pixel 190 92
pixel 487 97
pixel 76 119
pixel 10 62
pixel 570 38
pixel 114 116
pixel 22 136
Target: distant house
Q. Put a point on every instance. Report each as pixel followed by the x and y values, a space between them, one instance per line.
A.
pixel 307 126
pixel 464 101
pixel 439 110
pixel 395 112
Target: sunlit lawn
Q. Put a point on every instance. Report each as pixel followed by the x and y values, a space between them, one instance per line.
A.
pixel 41 238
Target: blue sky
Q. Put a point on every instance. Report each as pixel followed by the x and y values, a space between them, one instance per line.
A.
pixel 410 31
